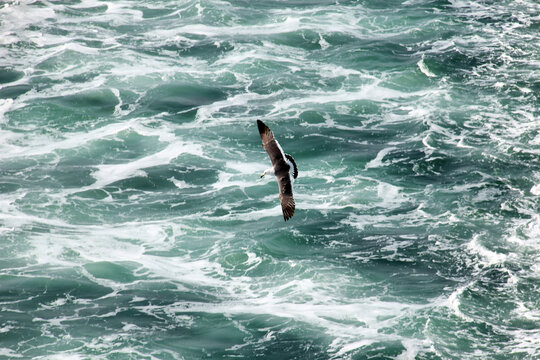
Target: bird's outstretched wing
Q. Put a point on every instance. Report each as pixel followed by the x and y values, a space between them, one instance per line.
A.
pixel 286 197
pixel 271 145
pixel 287 206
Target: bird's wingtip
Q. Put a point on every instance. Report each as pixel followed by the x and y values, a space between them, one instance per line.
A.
pixel 262 126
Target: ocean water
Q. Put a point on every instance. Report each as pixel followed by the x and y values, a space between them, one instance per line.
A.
pixel 134 224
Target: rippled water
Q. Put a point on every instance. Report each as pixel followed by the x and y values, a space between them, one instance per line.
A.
pixel 133 222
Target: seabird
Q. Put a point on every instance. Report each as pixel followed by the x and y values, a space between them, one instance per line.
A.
pixel 283 167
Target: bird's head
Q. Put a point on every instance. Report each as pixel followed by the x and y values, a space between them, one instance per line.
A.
pixel 269 171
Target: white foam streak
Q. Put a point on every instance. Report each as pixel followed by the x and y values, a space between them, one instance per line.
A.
pixel 253 215
pixel 535 190
pixel 290 24
pixel 377 162
pixel 487 256
pixel 371 92
pixel 125 243
pixel 352 325
pixel 453 302
pixel 45 145
pixel 107 174
pixel 206 112
pixel 424 69
pixel 9 353
pixel 5 106
pixel 17 17
pixel 42 146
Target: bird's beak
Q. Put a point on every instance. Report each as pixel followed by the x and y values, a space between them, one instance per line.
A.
pixel 262 175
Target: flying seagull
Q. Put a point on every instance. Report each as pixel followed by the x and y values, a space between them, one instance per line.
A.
pixel 283 167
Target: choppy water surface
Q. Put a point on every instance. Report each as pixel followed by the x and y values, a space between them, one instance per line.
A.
pixel 133 222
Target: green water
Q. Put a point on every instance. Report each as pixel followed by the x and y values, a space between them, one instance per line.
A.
pixel 134 224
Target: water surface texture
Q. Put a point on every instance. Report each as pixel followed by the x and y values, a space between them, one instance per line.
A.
pixel 134 225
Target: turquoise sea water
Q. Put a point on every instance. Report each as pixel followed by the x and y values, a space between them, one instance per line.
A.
pixel 134 225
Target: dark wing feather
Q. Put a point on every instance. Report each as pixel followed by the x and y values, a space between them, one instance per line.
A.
pixel 271 145
pixel 286 196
